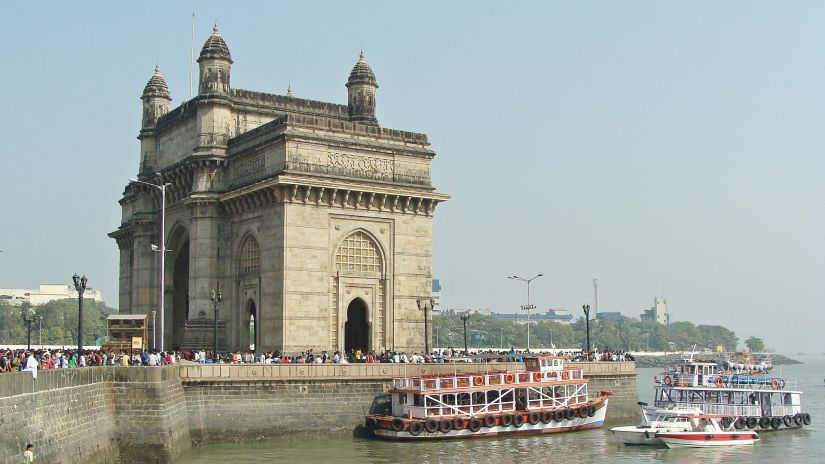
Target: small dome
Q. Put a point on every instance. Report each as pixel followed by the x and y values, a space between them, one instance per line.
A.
pixel 215 47
pixel 362 73
pixel 156 87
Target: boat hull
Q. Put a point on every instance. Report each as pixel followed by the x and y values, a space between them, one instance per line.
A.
pixel 564 425
pixel 707 440
pixel 634 435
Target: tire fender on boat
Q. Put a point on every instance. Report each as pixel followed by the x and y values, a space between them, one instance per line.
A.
pixel 739 424
pixel 558 415
pixel 751 422
pixel 547 417
pixel 458 423
pixel 431 425
pixel 489 421
pixel 397 424
pixel 806 419
pixel 415 428
pixel 506 420
pixel 591 411
pixel 533 418
pixel 583 411
pixel 518 420
pixel 797 418
pixel 445 426
pixel 474 425
pixel 776 422
pixel 764 422
pixel 787 420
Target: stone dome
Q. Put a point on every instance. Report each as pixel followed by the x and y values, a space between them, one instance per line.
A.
pixel 215 47
pixel 156 87
pixel 362 73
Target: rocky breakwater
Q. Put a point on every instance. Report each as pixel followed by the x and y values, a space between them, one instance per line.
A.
pixel 670 359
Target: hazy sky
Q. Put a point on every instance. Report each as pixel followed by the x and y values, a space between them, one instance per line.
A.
pixel 661 147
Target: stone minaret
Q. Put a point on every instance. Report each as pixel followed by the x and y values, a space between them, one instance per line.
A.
pixel 361 88
pixel 156 100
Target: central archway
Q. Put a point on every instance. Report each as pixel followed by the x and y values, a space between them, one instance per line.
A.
pixel 356 331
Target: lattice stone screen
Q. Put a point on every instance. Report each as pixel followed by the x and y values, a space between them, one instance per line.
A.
pixel 358 253
pixel 250 258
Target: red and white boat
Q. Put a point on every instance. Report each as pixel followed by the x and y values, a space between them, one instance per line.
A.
pixel 706 432
pixel 545 397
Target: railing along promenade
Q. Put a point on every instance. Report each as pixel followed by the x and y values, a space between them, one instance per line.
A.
pixel 261 372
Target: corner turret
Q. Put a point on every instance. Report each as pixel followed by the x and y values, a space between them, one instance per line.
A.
pixel 156 100
pixel 361 89
pixel 215 62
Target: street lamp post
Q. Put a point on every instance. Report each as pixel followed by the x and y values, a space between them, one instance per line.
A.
pixel 528 307
pixel 80 286
pixel 162 188
pixel 586 309
pixel 154 347
pixel 29 317
pixel 217 297
pixel 464 319
pixel 422 305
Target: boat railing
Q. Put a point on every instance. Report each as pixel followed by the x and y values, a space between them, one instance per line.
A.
pixel 744 410
pixel 749 382
pixel 485 379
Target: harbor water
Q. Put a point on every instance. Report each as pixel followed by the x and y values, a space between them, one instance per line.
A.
pixel 792 446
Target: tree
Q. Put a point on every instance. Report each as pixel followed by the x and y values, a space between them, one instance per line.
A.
pixel 755 344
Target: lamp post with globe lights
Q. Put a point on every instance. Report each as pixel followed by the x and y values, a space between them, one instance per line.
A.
pixel 80 286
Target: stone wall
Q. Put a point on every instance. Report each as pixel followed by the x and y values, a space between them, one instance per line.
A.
pixel 65 414
pixel 101 415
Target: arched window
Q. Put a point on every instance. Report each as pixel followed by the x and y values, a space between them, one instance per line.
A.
pixel 358 253
pixel 250 263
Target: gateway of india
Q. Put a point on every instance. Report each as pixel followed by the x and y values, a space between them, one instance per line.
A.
pixel 312 220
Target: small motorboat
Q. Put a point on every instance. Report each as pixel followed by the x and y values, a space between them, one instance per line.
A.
pixel 705 432
pixel 660 421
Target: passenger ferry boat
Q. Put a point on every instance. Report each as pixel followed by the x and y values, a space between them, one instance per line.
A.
pixel 545 397
pixel 746 399
pixel 707 432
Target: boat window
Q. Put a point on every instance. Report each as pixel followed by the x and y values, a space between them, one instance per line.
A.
pixel 418 400
pixel 478 397
pixel 463 399
pixel 402 398
pixel 448 399
pixel 507 397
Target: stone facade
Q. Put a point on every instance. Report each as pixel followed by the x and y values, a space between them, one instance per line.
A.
pixel 311 219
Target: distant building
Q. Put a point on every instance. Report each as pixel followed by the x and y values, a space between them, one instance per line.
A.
pixel 436 295
pixel 553 315
pixel 609 315
pixel 44 294
pixel 658 313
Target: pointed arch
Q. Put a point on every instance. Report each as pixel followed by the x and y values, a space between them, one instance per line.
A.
pixel 359 252
pixel 249 257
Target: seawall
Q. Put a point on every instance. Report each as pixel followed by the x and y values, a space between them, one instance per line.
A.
pixel 153 415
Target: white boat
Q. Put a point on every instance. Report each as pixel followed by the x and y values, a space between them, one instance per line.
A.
pixel 665 420
pixel 546 397
pixel 745 400
pixel 706 432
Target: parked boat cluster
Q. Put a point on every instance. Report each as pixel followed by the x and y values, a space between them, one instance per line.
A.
pixel 697 403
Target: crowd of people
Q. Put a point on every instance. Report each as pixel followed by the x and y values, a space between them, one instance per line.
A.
pixel 32 360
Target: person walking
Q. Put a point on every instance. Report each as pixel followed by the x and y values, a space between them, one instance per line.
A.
pixel 28 455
